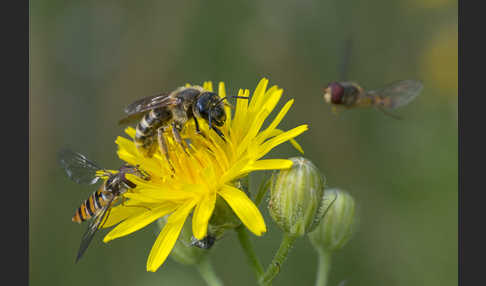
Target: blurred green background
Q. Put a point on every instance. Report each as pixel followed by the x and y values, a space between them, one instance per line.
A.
pixel 91 58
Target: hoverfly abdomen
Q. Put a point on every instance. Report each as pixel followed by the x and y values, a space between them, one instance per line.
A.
pixel 91 206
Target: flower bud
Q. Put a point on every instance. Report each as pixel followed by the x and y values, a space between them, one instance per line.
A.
pixel 338 225
pixel 297 197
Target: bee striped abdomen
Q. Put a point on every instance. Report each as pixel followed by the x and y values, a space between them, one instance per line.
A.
pixel 90 207
pixel 145 130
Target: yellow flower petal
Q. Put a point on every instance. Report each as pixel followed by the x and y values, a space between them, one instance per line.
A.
pixel 120 213
pixel 267 132
pixel 294 142
pixel 139 221
pixel 208 85
pixel 163 245
pixel 277 140
pixel 253 131
pixel 238 123
pixel 201 215
pixel 244 208
pixel 195 176
pixel 227 107
pixel 130 131
pixel 258 94
pixel 167 237
pixel 269 164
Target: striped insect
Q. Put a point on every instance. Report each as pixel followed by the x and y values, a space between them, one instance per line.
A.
pixel 97 207
pixel 351 95
pixel 166 112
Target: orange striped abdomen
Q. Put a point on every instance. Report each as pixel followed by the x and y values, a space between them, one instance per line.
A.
pixel 90 207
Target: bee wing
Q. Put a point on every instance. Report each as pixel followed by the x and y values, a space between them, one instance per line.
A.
pixel 150 102
pixel 79 168
pixel 137 109
pixel 93 227
pixel 398 93
pixel 131 118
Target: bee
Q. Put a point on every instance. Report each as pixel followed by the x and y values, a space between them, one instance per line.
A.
pixel 97 207
pixel 351 95
pixel 170 112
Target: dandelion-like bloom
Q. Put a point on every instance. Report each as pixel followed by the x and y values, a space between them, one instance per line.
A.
pixel 202 172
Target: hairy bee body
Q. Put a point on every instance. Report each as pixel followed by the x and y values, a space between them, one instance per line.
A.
pixel 146 128
pixel 171 111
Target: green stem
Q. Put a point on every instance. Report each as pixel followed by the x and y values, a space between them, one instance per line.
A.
pixel 247 246
pixel 323 267
pixel 274 267
pixel 206 270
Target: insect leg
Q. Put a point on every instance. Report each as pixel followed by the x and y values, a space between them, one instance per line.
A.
pixel 198 131
pixel 218 132
pixel 164 150
pixel 177 136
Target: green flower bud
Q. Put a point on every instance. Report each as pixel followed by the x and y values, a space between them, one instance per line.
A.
pixel 338 225
pixel 297 197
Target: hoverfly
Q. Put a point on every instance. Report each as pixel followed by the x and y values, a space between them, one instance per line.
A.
pixel 350 95
pixel 97 207
pixel 159 113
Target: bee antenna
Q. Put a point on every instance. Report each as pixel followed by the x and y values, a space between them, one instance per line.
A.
pixel 221 100
pixel 233 96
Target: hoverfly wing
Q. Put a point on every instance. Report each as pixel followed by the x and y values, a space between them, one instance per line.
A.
pixel 150 102
pixel 93 227
pixel 398 93
pixel 79 168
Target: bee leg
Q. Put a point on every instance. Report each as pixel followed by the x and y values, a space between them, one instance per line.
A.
pixel 198 130
pixel 218 132
pixel 177 136
pixel 164 150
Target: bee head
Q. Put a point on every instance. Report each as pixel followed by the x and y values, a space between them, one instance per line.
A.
pixel 210 107
pixel 334 93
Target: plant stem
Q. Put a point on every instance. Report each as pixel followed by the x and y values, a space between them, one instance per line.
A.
pixel 206 270
pixel 247 246
pixel 323 267
pixel 274 267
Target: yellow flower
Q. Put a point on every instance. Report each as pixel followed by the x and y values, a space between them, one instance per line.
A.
pixel 202 172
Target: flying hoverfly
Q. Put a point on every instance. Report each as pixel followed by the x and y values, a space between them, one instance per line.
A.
pixel 97 207
pixel 171 111
pixel 351 95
